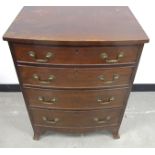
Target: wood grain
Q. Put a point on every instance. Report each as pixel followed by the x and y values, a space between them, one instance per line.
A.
pixel 76 25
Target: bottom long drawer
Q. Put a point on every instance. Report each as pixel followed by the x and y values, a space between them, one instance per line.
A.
pixel 88 118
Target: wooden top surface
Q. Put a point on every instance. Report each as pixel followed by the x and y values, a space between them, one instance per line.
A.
pixel 69 25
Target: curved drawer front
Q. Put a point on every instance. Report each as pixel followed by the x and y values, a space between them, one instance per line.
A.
pixel 36 54
pixel 75 78
pixel 75 99
pixel 74 118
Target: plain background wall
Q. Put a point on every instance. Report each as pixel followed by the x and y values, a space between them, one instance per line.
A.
pixel 143 10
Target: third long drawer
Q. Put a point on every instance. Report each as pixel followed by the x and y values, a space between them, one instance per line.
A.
pixel 76 99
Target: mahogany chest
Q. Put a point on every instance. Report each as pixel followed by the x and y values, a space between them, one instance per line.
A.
pixel 76 65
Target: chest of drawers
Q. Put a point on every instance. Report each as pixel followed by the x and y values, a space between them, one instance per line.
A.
pixel 75 65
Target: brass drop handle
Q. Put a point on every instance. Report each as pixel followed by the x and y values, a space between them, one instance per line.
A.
pixel 105 57
pixel 53 121
pixel 102 121
pixel 115 77
pixel 103 102
pixel 51 101
pixel 50 79
pixel 47 56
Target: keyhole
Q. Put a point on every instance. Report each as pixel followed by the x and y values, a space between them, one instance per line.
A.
pixel 75 73
pixel 77 51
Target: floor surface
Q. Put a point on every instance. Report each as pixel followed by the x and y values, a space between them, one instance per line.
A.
pixel 137 129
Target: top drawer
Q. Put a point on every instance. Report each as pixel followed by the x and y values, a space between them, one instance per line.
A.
pixel 49 55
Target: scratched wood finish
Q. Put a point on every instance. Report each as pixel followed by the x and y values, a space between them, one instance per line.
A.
pixel 83 79
pixel 76 25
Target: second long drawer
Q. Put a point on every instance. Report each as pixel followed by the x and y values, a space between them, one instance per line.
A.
pixel 75 77
pixel 75 99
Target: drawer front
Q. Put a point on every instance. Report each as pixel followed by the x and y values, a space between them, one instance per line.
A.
pixel 75 118
pixel 36 54
pixel 75 99
pixel 75 77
